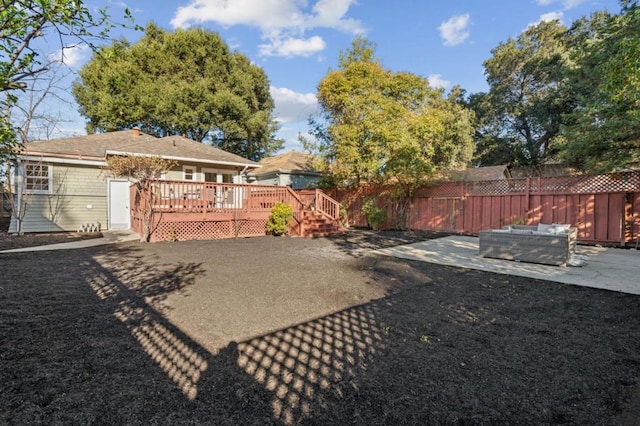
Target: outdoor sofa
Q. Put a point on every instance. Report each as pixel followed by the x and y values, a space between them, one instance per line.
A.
pixel 546 244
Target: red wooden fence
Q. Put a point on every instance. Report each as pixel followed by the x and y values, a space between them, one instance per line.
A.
pixel 604 208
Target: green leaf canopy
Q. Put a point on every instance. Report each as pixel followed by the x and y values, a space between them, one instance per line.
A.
pixel 387 127
pixel 184 83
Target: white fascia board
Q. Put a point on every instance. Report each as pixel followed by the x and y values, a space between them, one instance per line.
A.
pixel 185 159
pixel 289 172
pixel 61 160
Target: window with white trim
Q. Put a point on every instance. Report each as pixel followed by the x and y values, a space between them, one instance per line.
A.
pixel 188 173
pixel 218 175
pixel 37 178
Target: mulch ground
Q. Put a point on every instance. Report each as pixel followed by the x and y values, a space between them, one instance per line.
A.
pixel 313 331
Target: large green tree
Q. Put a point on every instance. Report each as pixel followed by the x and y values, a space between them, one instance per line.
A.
pixel 603 132
pixel 521 116
pixel 384 127
pixel 187 83
pixel 23 22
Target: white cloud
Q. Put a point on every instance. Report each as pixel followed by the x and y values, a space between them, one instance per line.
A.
pixel 330 14
pixel 73 56
pixel 308 136
pixel 283 22
pixel 566 4
pixel 265 14
pixel 118 3
pixel 436 81
pixel 292 106
pixel 551 16
pixel 548 17
pixel 455 30
pixel 292 47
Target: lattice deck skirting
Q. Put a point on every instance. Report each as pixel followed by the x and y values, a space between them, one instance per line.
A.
pixel 208 230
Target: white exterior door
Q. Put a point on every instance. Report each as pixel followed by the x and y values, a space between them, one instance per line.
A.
pixel 119 204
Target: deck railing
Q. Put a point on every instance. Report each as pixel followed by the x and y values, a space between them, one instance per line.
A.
pixel 210 210
pixel 184 197
pixel 327 205
pixel 225 208
pixel 315 199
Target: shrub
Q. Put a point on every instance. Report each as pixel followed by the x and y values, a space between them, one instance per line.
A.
pixel 278 222
pixel 519 221
pixel 344 216
pixel 375 216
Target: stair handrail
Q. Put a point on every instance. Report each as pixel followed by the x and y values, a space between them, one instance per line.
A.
pixel 298 209
pixel 327 206
pixel 299 202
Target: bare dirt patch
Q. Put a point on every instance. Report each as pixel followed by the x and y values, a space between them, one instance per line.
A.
pixel 284 330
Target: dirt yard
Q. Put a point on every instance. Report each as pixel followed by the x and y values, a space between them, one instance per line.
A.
pixel 287 331
pixel 14 241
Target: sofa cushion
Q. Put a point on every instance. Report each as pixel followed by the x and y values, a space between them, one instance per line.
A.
pixel 560 228
pixel 521 231
pixel 548 228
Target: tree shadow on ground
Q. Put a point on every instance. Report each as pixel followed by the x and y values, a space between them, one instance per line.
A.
pixel 357 242
pixel 448 346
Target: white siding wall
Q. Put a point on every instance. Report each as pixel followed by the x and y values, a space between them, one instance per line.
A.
pixel 78 196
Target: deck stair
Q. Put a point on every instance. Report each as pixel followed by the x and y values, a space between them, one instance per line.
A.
pixel 316 225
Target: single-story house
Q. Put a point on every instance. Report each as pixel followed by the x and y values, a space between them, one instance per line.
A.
pixel 292 169
pixel 65 186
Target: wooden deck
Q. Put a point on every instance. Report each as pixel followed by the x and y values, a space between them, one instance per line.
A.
pixel 205 210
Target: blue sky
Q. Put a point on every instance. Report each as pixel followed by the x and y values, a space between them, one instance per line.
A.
pixel 297 41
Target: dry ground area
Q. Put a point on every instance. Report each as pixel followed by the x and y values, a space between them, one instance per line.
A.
pixel 285 330
pixel 14 241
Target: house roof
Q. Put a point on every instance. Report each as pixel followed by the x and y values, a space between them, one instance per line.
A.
pixel 543 170
pixel 98 146
pixel 480 173
pixel 292 161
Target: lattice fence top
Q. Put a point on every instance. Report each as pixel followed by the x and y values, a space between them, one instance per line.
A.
pixel 444 189
pixel 576 184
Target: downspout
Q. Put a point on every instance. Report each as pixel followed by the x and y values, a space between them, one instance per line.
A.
pixel 18 182
pixel 242 172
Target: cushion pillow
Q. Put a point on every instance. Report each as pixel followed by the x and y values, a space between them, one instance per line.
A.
pixel 546 228
pixel 560 228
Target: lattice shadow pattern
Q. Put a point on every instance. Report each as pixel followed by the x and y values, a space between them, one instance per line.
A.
pixel 306 364
pixel 179 360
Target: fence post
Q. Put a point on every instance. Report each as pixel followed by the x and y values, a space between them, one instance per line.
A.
pixel 527 190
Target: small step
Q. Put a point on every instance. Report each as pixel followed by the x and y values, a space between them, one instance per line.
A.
pixel 328 234
pixel 315 233
pixel 316 225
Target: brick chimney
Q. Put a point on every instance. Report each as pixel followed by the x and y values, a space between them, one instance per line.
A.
pixel 136 132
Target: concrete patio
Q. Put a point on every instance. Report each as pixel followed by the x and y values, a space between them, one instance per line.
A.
pixel 605 268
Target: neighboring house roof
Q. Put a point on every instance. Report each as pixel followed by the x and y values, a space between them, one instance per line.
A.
pixel 100 145
pixel 289 162
pixel 480 173
pixel 543 170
